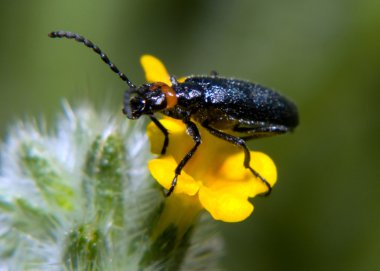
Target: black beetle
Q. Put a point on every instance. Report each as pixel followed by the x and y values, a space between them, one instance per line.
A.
pixel 221 105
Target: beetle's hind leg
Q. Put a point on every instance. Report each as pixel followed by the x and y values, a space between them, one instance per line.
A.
pixel 164 131
pixel 247 155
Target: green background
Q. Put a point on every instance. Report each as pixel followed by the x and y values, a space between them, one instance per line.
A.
pixel 324 55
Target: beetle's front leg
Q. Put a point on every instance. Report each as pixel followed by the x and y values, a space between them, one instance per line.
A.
pixel 164 131
pixel 247 155
pixel 192 130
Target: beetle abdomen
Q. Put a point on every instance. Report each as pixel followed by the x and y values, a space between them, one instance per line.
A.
pixel 243 102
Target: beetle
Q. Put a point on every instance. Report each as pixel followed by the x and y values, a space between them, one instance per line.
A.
pixel 223 106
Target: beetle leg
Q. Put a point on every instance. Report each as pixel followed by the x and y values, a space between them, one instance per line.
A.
pixel 164 131
pixel 173 80
pixel 260 132
pixel 192 130
pixel 214 73
pixel 247 155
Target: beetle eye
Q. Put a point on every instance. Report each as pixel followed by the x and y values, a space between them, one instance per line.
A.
pixel 137 106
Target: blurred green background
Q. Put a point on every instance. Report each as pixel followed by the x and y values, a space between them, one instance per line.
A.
pixel 325 55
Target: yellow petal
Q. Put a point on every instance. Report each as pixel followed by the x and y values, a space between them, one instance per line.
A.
pixel 265 166
pixel 224 205
pixel 232 171
pixel 233 168
pixel 181 79
pixel 162 170
pixel 155 71
pixel 156 137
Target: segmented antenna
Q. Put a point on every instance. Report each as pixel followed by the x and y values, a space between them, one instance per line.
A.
pixel 89 44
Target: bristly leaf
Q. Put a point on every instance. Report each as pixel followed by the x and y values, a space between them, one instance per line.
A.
pixel 44 173
pixel 80 197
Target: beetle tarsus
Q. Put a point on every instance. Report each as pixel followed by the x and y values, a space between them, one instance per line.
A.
pixel 257 175
pixel 172 186
pixel 214 73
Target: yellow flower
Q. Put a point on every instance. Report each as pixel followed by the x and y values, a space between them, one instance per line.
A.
pixel 215 177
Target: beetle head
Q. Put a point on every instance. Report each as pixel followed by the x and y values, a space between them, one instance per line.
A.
pixel 145 100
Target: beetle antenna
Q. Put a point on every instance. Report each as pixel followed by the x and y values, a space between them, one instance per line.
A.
pixel 95 48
